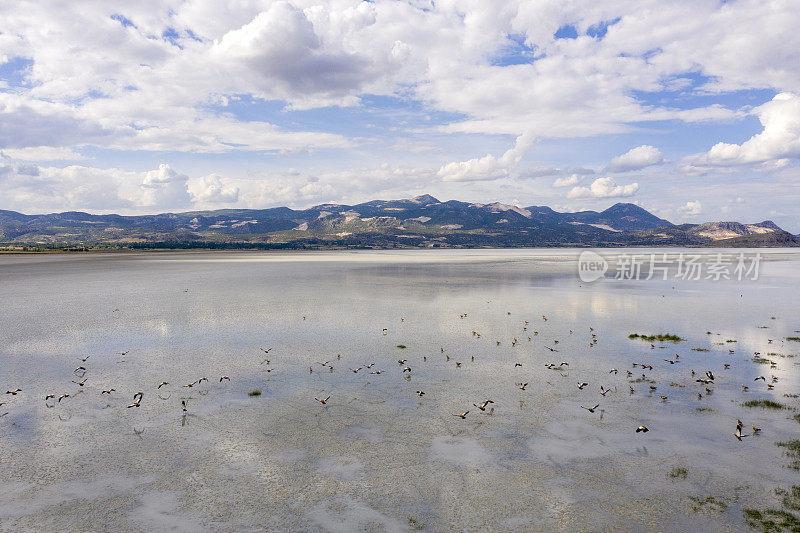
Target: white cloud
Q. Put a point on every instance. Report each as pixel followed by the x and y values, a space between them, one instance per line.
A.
pixel 101 190
pixel 162 188
pixel 212 189
pixel 603 188
pixel 43 153
pixel 636 159
pixel 284 51
pixel 779 140
pixel 487 167
pixel 691 208
pixel 568 181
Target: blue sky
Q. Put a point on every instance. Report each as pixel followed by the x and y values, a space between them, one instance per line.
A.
pixel 691 109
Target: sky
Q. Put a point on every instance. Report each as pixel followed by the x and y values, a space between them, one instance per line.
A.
pixel 690 109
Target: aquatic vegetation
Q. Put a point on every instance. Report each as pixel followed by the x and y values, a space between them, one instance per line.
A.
pixel 710 503
pixel 679 472
pixel 254 393
pixel 771 520
pixel 700 350
pixel 777 519
pixel 401 346
pixel 797 417
pixel 760 360
pixel 795 339
pixel 415 525
pixel 788 395
pixel 764 404
pixel 792 451
pixel 731 340
pixel 791 497
pixel 661 337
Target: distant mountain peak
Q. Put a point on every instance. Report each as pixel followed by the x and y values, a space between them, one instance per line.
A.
pixel 425 199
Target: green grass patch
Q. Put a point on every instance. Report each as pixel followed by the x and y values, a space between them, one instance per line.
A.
pixel 708 503
pixel 679 472
pixel 415 525
pixel 771 520
pixel 661 337
pixel 254 393
pixel 792 452
pixel 764 404
pixel 791 497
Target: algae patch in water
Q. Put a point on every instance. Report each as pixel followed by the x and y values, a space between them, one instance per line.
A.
pixel 661 337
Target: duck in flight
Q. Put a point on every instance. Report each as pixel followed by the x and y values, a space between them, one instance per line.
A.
pixel 482 406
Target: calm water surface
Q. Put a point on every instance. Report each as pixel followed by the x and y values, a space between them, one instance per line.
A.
pixel 377 456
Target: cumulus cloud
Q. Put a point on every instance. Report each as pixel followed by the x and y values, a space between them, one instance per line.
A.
pixel 281 47
pixel 487 167
pixel 161 188
pixel 212 189
pixel 691 208
pixel 567 181
pixel 603 188
pixel 78 187
pixel 636 159
pixel 777 142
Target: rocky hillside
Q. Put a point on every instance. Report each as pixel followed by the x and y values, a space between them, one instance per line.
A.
pixel 423 221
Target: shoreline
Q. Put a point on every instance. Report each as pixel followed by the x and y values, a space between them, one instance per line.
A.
pixel 27 250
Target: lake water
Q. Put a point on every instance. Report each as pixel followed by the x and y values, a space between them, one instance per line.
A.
pixel 377 456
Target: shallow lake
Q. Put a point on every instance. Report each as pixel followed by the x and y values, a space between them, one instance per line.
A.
pixel 468 325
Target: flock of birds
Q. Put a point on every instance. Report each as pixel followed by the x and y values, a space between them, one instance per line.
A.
pixel 81 376
pixel 704 380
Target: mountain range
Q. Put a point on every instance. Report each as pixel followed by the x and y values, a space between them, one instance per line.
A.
pixel 422 221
